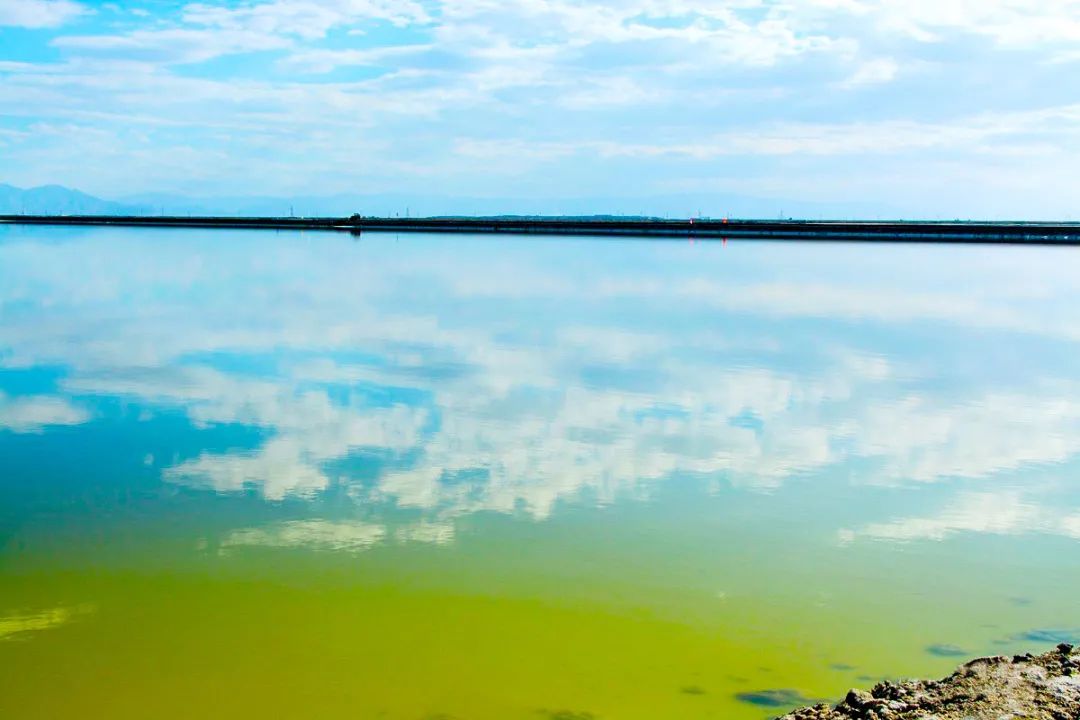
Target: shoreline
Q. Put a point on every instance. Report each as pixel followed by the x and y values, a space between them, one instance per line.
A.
pixel 706 229
pixel 1043 687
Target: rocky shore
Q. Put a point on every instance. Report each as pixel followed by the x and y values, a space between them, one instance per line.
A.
pixel 1044 687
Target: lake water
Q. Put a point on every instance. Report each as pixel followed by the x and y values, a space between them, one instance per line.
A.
pixel 258 474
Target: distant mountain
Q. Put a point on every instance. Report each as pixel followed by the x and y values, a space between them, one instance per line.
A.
pixel 58 200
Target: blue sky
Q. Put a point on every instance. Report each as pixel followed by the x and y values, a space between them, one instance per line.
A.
pixel 932 107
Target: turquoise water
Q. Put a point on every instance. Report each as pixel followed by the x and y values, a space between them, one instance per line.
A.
pixel 256 473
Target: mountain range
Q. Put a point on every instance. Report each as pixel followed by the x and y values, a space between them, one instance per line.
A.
pixel 59 200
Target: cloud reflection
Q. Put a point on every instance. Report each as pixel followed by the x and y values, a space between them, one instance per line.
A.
pixel 509 383
pixel 993 513
pixel 18 625
pixel 35 414
pixel 309 534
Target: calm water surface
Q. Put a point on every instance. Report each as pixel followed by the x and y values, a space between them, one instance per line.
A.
pixel 256 474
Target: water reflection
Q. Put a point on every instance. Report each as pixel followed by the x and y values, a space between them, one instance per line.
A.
pixel 311 534
pixel 511 378
pixel 20 626
pixel 631 479
pixel 1005 512
pixel 36 413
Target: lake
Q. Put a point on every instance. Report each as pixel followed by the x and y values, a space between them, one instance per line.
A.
pixel 254 473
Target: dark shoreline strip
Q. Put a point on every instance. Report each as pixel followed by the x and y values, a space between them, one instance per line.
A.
pixel 904 232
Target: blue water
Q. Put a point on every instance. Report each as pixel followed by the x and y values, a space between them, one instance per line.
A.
pixel 836 462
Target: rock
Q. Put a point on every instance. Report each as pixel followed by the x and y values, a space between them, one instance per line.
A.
pixel 1046 687
pixel 858 698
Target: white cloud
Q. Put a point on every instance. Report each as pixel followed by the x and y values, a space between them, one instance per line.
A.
pixel 304 18
pixel 991 133
pixel 1070 525
pixel 924 441
pixel 992 513
pixel 278 469
pixel 872 72
pixel 208 31
pixel 20 623
pixel 39 13
pixel 513 424
pixel 36 413
pixel 309 429
pixel 720 33
pixel 309 535
pixel 1012 23
pixel 603 441
pixel 182 45
pixel 320 61
pixel 434 533
pixel 555 96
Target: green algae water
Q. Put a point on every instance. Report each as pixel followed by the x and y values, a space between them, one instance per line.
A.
pixel 259 474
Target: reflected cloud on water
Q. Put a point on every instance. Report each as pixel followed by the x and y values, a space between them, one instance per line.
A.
pixel 1005 512
pixel 510 379
pixel 36 413
pixel 310 534
pixel 20 626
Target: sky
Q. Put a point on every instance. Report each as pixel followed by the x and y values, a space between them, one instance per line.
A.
pixel 922 108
